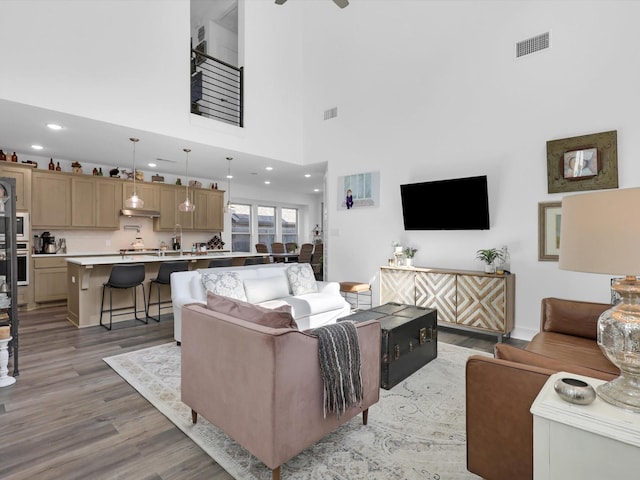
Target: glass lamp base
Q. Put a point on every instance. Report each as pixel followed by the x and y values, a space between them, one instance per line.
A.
pixel 623 392
pixel 619 340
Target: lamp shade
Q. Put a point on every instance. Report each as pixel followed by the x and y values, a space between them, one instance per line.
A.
pixel 600 232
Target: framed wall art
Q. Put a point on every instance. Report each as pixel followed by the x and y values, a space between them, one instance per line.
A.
pixel 588 162
pixel 549 215
pixel 359 190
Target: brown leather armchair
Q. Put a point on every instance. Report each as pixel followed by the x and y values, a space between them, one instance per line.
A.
pixel 500 390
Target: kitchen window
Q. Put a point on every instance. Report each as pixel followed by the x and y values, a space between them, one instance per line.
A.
pixel 289 225
pixel 241 228
pixel 266 225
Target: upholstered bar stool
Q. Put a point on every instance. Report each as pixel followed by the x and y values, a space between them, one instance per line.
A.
pixel 164 278
pixel 124 276
pixel 357 294
pixel 220 262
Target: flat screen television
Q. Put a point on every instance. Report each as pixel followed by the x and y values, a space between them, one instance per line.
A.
pixel 453 204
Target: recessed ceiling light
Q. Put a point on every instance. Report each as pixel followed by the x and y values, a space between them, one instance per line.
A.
pixel 307 175
pixel 229 176
pixel 267 182
pixel 54 126
pixel 316 189
pixel 37 147
pixel 152 165
pixel 269 168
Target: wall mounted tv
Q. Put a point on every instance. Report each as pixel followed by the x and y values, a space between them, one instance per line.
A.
pixel 454 204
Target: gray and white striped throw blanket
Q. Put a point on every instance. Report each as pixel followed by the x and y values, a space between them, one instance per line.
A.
pixel 339 355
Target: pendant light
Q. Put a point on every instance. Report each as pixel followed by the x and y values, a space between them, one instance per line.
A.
pixel 187 206
pixel 228 208
pixel 134 201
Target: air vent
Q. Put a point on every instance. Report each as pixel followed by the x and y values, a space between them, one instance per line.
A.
pixel 331 113
pixel 532 45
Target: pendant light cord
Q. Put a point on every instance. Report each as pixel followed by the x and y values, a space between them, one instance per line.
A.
pixel 134 140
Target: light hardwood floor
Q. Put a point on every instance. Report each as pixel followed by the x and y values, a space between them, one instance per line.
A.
pixel 69 416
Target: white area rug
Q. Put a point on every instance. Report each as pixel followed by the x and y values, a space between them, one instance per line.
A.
pixel 416 430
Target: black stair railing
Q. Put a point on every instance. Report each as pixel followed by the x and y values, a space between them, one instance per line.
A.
pixel 216 89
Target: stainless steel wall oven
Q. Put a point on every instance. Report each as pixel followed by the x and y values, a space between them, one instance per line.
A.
pixel 23 257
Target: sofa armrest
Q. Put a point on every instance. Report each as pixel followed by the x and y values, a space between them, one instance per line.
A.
pixel 328 287
pixel 571 317
pixel 499 394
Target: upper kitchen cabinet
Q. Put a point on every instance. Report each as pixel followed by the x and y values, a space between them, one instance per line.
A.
pixel 208 215
pixel 22 174
pixel 95 203
pixel 148 192
pixel 170 197
pixel 50 200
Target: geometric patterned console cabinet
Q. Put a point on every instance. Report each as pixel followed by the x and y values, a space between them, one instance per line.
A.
pixel 483 302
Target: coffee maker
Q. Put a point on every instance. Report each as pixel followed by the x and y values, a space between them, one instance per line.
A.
pixel 48 243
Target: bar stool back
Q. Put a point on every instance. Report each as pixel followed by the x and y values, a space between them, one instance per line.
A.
pixel 124 276
pixel 164 278
pixel 254 261
pixel 220 262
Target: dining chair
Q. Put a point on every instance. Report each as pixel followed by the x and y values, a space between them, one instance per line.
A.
pixel 306 250
pixel 278 247
pixel 317 260
pixel 262 248
pixel 291 247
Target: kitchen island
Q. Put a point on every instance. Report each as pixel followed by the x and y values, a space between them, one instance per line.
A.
pixel 86 275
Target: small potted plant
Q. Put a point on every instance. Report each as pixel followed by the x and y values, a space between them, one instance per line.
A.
pixel 488 256
pixel 397 246
pixel 409 253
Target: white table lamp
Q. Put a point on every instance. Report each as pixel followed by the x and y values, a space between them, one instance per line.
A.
pixel 600 233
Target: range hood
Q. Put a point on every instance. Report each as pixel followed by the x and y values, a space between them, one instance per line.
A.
pixel 139 212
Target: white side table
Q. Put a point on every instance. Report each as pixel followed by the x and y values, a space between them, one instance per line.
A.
pixel 596 441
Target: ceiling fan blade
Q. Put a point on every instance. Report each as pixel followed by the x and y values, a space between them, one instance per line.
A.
pixel 280 2
pixel 341 3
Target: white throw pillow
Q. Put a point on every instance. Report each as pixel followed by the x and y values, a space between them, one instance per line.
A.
pixel 302 279
pixel 227 284
pixel 263 289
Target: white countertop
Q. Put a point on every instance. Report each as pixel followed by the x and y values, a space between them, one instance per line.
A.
pixel 171 253
pixel 137 258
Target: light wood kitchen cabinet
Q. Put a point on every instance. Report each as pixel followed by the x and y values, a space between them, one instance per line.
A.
pixel 148 192
pixel 50 279
pixel 83 193
pixel 95 203
pixel 50 200
pixel 170 196
pixel 464 299
pixel 22 174
pixel 107 203
pixel 208 215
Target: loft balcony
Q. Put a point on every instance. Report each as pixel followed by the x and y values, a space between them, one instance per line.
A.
pixel 216 89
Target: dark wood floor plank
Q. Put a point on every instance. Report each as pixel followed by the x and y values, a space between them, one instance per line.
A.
pixel 70 416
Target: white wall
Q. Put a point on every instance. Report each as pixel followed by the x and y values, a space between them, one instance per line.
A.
pixel 428 90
